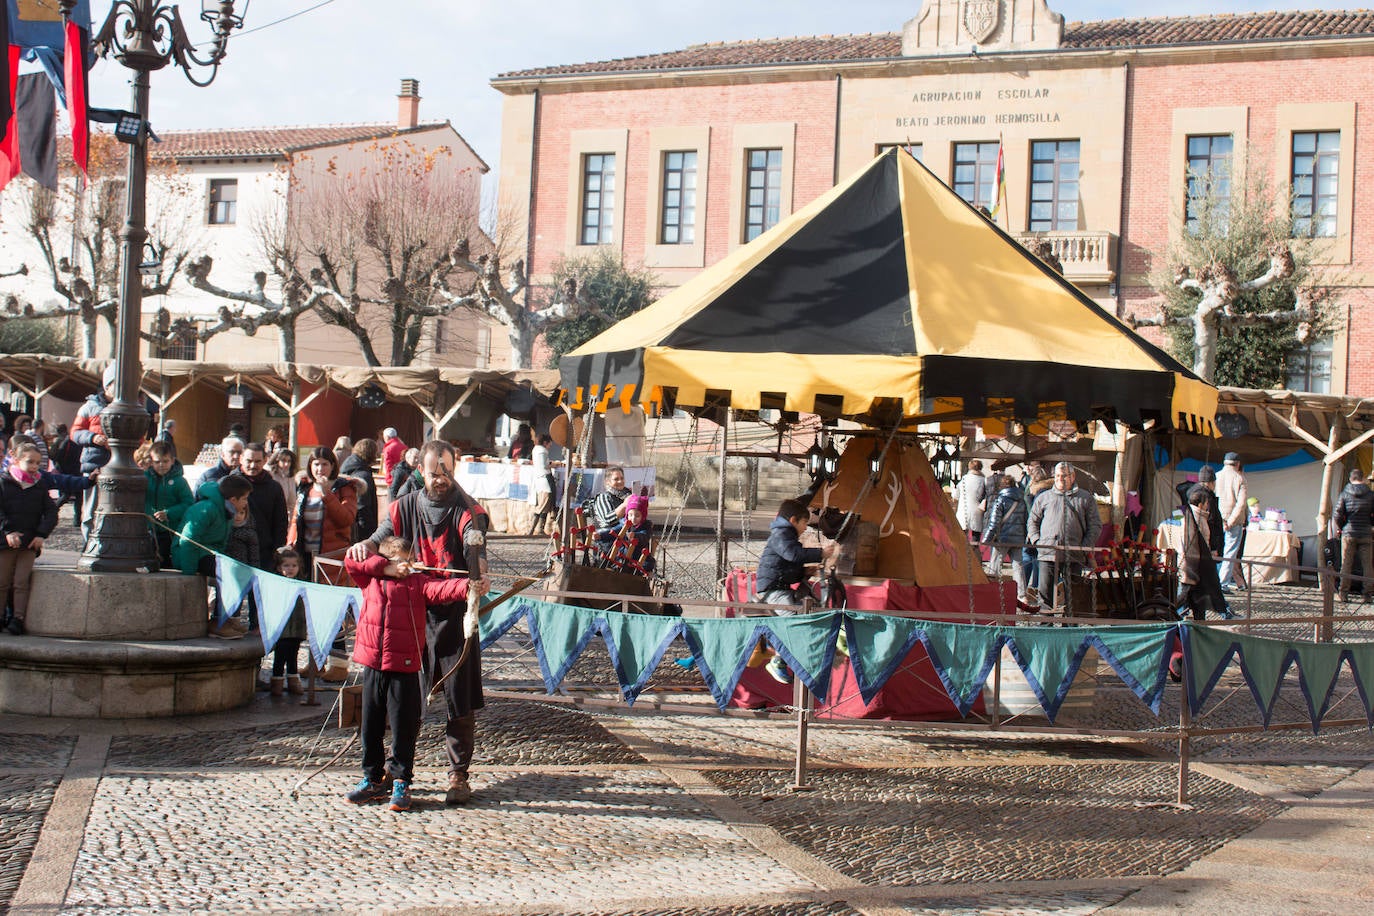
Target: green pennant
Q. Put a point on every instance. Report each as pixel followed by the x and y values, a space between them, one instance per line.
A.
pixel 1362 665
pixel 1263 661
pixel 1208 651
pixel 877 645
pixel 1049 658
pixel 722 647
pixel 1319 664
pixel 491 625
pixel 561 632
pixel 963 654
pixel 637 644
pixel 807 644
pixel 1136 654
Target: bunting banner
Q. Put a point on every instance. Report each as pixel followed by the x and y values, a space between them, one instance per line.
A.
pixel 962 655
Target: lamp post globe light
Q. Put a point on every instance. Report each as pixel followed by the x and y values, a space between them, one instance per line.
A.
pixel 143 35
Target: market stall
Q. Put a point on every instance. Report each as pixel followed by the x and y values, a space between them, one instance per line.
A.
pixel 1280 549
pixel 503 488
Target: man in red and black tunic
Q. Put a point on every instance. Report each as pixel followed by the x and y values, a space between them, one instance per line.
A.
pixel 448 530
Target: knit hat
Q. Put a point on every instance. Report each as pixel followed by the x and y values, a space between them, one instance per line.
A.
pixel 111 373
pixel 637 502
pixel 1232 458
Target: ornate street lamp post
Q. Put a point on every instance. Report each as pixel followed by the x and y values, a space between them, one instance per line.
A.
pixel 143 35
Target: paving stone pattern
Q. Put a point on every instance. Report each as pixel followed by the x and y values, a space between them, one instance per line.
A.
pixel 24 802
pixel 998 823
pixel 791 909
pixel 231 841
pixel 24 752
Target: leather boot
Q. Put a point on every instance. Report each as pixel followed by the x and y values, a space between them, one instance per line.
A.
pixel 294 685
pixel 278 686
pixel 458 789
pixel 465 731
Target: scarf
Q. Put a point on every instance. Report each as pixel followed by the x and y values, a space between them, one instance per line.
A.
pixel 23 477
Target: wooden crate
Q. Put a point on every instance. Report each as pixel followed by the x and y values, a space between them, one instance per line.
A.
pixel 574 577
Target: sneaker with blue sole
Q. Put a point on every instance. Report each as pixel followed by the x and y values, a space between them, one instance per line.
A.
pixel 777 670
pixel 367 791
pixel 400 795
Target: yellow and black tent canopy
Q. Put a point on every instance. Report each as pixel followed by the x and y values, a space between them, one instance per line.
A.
pixel 888 293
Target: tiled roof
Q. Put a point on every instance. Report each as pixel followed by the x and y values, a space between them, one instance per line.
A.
pixel 267 142
pixel 1111 33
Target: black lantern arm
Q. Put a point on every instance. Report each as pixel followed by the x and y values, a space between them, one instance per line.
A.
pixel 161 26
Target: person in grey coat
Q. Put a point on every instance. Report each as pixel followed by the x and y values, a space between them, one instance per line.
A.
pixel 1062 516
pixel 1355 516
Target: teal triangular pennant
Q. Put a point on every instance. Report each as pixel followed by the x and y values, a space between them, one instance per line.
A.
pixel 962 654
pixel 1208 651
pixel 1318 667
pixel 233 580
pixel 1049 658
pixel 493 625
pixel 325 609
pixel 722 647
pixel 1264 663
pixel 877 645
pixel 1362 667
pixel 276 599
pixel 807 644
pixel 637 643
pixel 1140 657
pixel 560 633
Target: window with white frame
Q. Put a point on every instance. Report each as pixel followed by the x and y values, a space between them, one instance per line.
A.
pixel 598 199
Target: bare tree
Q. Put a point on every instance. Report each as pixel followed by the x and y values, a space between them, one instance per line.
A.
pixel 76 230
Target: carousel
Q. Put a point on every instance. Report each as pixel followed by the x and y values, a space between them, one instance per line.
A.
pixel 890 309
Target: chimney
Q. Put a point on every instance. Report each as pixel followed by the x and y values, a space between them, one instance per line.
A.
pixel 408 109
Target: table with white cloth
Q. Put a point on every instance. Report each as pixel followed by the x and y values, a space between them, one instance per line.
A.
pixel 1260 546
pixel 504 489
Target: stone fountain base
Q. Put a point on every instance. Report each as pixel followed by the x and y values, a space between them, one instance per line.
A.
pixel 122 645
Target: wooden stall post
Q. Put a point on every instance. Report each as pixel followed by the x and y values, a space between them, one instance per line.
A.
pixel 722 544
pixel 1185 729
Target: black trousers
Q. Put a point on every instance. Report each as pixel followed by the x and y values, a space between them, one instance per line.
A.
pixel 390 697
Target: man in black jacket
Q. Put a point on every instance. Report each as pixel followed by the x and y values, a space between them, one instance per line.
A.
pixel 1355 517
pixel 267 509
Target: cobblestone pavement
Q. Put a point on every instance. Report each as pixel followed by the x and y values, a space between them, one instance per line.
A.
pixel 599 813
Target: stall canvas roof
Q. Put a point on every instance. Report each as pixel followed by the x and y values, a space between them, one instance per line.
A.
pixel 889 292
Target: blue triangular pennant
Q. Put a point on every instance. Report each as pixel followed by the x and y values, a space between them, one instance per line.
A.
pixel 233 580
pixel 721 647
pixel 807 644
pixel 326 606
pixel 560 632
pixel 1140 657
pixel 1049 658
pixel 276 596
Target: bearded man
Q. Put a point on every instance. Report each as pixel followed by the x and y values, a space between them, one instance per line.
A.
pixel 447 529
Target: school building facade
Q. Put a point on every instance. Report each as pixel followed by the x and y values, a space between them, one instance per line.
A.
pixel 677 158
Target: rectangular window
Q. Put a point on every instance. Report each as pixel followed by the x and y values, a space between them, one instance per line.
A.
pixel 1209 180
pixel 1316 178
pixel 1054 186
pixel 916 150
pixel 224 197
pixel 763 191
pixel 1309 368
pixel 679 199
pixel 598 199
pixel 975 172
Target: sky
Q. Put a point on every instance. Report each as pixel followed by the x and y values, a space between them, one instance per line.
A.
pixel 342 61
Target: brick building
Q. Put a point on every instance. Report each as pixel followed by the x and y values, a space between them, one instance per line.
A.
pixel 677 158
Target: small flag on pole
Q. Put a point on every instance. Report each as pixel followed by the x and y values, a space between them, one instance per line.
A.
pixel 999 187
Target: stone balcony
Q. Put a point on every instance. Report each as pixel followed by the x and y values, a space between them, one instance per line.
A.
pixel 1089 257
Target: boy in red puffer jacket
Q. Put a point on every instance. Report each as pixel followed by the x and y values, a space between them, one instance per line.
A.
pixel 390 644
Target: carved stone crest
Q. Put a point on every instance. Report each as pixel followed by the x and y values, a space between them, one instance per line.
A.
pixel 981 18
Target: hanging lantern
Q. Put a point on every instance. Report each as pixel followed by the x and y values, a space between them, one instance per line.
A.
pixel 813 458
pixel 875 461
pixel 830 459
